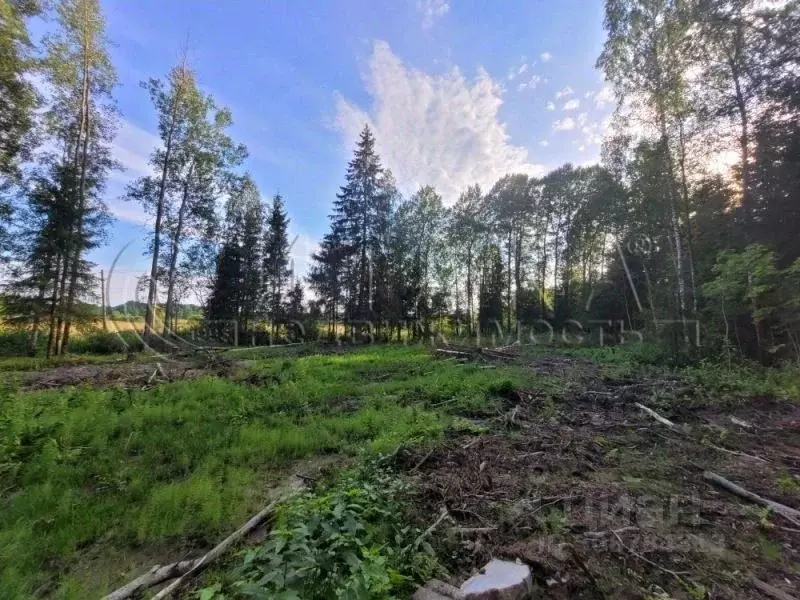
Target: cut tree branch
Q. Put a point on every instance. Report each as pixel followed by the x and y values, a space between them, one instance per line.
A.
pixel 217 551
pixel 787 512
pixel 154 576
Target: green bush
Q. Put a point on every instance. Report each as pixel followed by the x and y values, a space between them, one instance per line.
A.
pixel 103 342
pixel 15 343
pixel 352 540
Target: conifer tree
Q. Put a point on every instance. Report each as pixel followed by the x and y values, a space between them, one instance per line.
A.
pixel 276 272
pixel 81 121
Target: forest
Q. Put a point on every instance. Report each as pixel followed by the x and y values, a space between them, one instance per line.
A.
pixel 544 363
pixel 652 239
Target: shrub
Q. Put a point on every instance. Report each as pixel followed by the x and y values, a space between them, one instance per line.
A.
pixel 352 540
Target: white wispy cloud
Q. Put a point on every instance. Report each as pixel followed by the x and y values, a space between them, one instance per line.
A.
pixel 546 56
pixel 300 251
pixel 573 104
pixel 132 148
pixel 531 84
pixel 564 124
pixel 567 91
pixel 551 106
pixel 544 143
pixel 604 97
pixel 442 130
pixel 431 11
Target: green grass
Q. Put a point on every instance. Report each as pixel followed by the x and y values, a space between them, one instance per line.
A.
pixel 37 363
pixel 112 472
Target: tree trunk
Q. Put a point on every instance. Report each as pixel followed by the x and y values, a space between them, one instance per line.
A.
pixel 78 250
pixel 175 247
pixel 51 340
pixel 744 142
pixel 687 218
pixel 33 338
pixel 162 188
pixel 103 300
pixel 470 291
pixel 673 208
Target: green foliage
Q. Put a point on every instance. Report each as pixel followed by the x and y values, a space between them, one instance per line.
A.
pixel 552 521
pixel 190 460
pixel 15 344
pixel 788 483
pixel 350 541
pixel 745 282
pixel 743 379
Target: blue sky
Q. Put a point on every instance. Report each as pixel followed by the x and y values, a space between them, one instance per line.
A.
pixel 457 91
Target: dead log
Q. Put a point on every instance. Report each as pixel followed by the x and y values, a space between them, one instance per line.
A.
pixel 741 423
pixel 218 551
pixel 771 590
pixel 154 576
pixel 786 512
pixel 657 416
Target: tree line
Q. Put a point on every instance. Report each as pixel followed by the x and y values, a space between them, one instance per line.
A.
pixel 650 239
pixel 54 163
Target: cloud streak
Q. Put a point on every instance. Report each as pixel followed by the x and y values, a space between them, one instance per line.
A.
pixel 432 11
pixel 441 130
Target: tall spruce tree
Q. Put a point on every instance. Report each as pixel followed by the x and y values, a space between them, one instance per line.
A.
pixel 236 286
pixel 276 272
pixel 360 212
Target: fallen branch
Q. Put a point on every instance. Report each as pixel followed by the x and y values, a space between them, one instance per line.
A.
pixel 429 530
pixel 159 371
pixel 787 512
pixel 657 416
pixel 771 590
pixel 741 423
pixel 154 576
pixel 675 574
pixel 602 534
pixel 422 461
pixel 453 352
pixel 217 551
pixel 737 453
pixel 471 530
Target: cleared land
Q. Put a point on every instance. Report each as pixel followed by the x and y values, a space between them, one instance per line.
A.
pixel 540 455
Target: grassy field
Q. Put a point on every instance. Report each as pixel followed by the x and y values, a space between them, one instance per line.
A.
pixel 97 484
pixel 97 477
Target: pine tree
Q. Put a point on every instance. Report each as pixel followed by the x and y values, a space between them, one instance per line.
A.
pixel 252 259
pixel 361 210
pixel 276 272
pixel 326 276
pixel 237 282
pixel 81 122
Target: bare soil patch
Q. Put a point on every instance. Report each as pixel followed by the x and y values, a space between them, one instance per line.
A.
pixel 604 501
pixel 124 374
